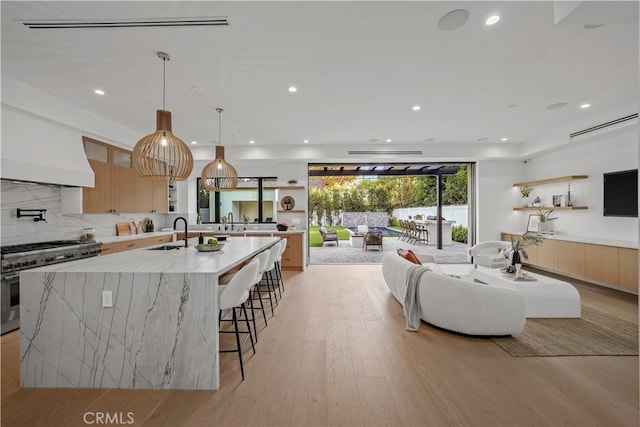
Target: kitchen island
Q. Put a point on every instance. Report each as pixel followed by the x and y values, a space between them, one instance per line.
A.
pixel 160 332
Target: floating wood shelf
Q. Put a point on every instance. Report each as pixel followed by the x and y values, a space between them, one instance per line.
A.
pixel 553 208
pixel 291 187
pixel 290 211
pixel 551 180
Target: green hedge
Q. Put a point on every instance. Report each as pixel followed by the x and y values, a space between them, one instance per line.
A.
pixel 459 234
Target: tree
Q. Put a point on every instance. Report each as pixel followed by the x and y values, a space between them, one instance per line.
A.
pixel 455 188
pixel 424 192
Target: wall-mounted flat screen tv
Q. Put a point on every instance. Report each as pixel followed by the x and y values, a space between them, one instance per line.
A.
pixel 621 193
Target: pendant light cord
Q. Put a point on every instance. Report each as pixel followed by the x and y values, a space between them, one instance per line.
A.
pixel 164 82
pixel 219 110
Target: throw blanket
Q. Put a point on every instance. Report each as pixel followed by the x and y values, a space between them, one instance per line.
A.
pixel 412 296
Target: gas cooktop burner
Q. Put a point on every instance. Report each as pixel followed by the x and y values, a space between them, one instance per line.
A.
pixel 26 247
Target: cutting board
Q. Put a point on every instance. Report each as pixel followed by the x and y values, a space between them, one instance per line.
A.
pixel 123 228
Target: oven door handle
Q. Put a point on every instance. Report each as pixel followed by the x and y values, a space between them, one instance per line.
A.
pixel 11 276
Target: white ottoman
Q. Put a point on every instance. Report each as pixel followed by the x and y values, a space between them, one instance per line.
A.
pixel 544 297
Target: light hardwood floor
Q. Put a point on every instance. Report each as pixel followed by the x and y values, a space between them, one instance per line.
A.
pixel 337 353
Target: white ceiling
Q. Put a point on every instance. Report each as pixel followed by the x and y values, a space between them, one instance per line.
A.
pixel 359 68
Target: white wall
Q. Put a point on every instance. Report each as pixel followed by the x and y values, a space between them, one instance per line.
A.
pixel 608 152
pixel 495 198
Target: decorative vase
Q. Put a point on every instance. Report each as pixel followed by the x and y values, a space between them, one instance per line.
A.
pixel 525 202
pixel 515 259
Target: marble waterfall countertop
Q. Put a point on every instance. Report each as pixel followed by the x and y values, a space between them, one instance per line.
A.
pixel 141 319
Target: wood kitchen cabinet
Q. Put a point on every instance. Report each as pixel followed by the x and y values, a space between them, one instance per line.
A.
pixel 118 188
pixel 151 195
pixel 292 256
pixel 127 245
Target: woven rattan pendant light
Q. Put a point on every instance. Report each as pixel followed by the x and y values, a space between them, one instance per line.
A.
pixel 162 155
pixel 219 175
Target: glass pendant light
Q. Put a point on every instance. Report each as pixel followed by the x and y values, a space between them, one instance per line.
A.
pixel 162 155
pixel 219 175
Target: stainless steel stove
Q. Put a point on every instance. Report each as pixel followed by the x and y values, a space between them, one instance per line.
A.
pixel 16 258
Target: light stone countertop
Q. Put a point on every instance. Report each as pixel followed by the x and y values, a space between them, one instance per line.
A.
pixel 581 239
pixel 183 260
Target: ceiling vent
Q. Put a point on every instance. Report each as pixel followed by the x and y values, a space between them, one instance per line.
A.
pixel 386 152
pixel 57 24
pixel 605 127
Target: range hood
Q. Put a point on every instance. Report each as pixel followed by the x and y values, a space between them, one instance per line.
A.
pixel 35 146
pixel 30 153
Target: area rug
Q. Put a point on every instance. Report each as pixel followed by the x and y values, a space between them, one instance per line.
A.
pixel 594 334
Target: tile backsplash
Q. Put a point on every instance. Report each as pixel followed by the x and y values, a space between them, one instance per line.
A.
pixel 14 230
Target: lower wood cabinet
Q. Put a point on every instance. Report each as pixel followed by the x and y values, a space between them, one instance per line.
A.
pixel 112 248
pixel 628 269
pixel 605 265
pixel 571 258
pixel 292 258
pixel 601 264
pixel 547 255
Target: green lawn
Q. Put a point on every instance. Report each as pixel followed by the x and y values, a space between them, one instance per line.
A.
pixel 315 238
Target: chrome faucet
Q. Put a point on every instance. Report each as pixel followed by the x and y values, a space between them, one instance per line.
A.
pixel 230 219
pixel 186 234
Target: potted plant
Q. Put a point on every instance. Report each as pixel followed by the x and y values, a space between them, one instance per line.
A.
pixel 525 191
pixel 545 218
pixel 292 181
pixel 518 251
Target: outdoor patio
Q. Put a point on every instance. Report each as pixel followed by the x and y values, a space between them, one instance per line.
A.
pixel 345 254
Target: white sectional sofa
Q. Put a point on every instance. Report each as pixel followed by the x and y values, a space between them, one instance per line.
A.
pixel 455 304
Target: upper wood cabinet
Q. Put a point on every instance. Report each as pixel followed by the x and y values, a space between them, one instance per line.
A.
pixel 118 188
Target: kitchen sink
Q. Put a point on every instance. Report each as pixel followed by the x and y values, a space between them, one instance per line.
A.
pixel 164 248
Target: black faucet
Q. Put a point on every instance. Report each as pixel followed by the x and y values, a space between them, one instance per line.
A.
pixel 186 234
pixel 230 217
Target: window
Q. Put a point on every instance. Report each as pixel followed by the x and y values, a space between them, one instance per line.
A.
pixel 254 201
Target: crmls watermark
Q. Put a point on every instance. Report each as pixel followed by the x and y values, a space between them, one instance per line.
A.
pixel 108 418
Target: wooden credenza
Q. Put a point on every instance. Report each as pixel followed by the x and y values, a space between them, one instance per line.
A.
pixel 612 266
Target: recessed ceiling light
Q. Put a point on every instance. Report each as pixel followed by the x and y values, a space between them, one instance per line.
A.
pixel 194 142
pixel 512 106
pixel 252 142
pixel 374 140
pixel 453 20
pixel 429 140
pixel 293 89
pixel 556 106
pixel 504 139
pixel 492 20
pixel 306 141
pixel 583 106
pixel 592 26
pixel 197 88
pixel 415 108
pixel 98 92
pixel 483 139
pixel 388 140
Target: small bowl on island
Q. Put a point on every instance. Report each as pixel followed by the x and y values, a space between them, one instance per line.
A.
pixel 211 246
